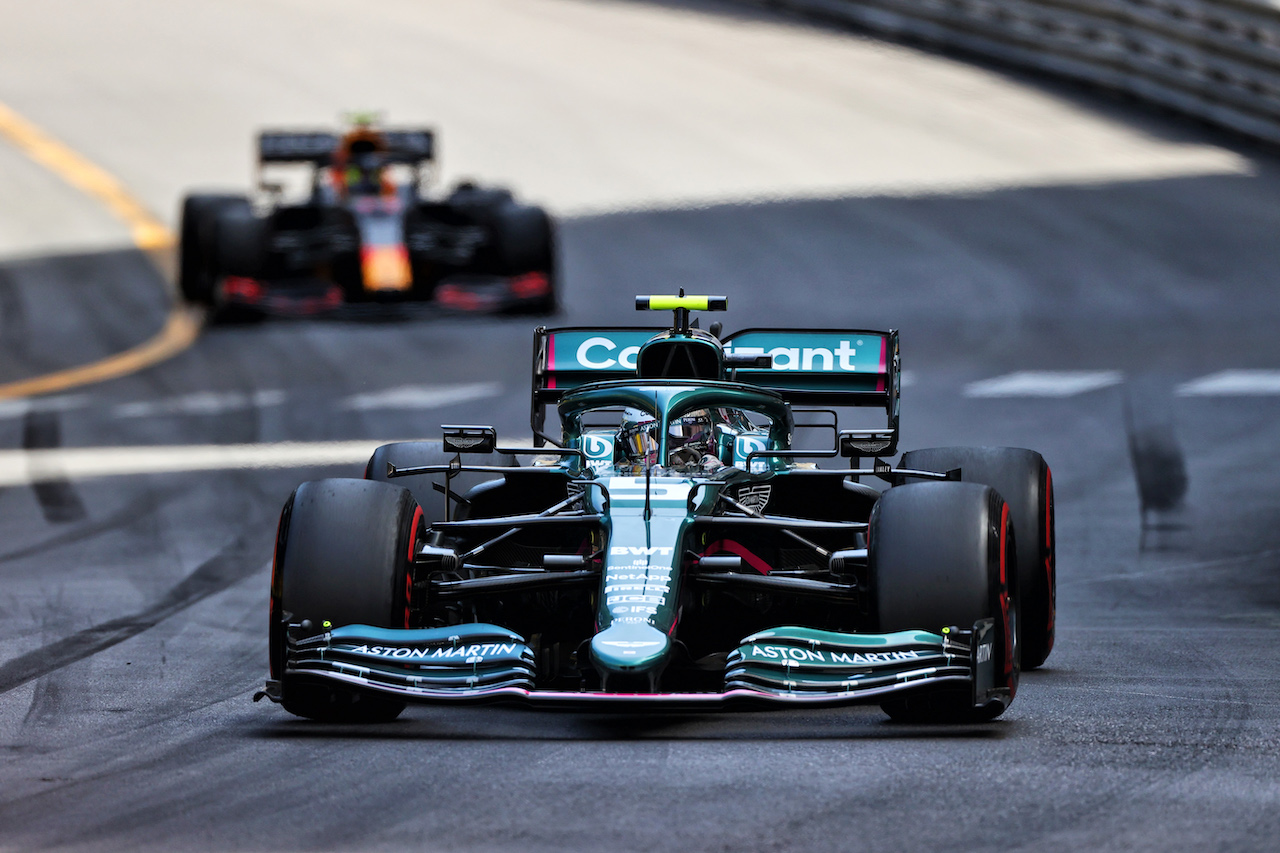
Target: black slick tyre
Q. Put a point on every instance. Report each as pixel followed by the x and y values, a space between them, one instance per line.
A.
pixel 940 554
pixel 240 242
pixel 526 245
pixel 1024 480
pixel 524 238
pixel 198 272
pixel 342 558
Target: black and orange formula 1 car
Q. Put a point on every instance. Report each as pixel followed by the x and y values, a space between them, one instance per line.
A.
pixel 364 230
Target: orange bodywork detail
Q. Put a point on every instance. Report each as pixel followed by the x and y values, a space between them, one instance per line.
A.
pixel 365 137
pixel 386 268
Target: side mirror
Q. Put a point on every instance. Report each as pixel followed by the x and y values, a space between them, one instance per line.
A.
pixel 868 442
pixel 469 439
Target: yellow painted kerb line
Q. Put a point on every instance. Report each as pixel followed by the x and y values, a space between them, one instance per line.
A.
pixel 149 234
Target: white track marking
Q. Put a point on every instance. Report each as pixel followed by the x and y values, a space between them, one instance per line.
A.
pixel 220 402
pixel 20 407
pixel 202 403
pixel 421 396
pixel 1233 383
pixel 1044 383
pixel 23 467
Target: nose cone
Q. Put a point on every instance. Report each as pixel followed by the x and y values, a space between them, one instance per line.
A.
pixel 629 648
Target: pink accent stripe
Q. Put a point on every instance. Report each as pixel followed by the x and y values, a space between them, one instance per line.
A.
pixel 551 360
pixel 738 550
pixel 884 363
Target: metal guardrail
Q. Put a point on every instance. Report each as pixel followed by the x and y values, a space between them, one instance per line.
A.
pixel 1217 60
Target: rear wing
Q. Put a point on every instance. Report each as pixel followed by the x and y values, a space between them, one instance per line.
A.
pixel 822 367
pixel 409 147
pixel 817 367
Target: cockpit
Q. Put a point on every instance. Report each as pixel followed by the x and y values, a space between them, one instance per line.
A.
pixel 673 428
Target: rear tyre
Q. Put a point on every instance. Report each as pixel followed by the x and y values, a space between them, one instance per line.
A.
pixel 198 274
pixel 1025 482
pixel 342 557
pixel 940 554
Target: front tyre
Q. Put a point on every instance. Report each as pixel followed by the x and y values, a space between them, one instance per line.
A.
pixel 343 557
pixel 1023 479
pixel 941 554
pixel 198 272
pixel 527 248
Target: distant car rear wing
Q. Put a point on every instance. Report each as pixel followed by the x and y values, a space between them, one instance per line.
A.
pixel 818 367
pixel 410 147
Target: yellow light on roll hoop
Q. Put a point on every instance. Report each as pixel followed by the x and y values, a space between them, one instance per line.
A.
pixel 688 303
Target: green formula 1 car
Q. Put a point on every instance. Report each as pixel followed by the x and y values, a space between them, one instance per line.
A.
pixel 669 547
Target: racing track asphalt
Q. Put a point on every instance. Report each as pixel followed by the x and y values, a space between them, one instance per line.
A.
pixel 132 609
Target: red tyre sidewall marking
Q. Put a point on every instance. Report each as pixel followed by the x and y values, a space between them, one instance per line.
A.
pixel 1049 556
pixel 408 574
pixel 1004 602
pixel 275 595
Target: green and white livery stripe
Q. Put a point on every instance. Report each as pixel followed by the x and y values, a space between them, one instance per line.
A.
pixel 664 493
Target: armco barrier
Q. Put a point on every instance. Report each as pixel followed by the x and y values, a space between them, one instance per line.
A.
pixel 1218 60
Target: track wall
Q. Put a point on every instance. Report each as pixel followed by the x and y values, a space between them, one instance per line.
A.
pixel 1218 60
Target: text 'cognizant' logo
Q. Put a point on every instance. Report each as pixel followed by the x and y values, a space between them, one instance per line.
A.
pixel 601 353
pixel 598 354
pixel 804 358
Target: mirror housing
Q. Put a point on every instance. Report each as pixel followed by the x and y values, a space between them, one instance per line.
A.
pixel 868 442
pixel 469 439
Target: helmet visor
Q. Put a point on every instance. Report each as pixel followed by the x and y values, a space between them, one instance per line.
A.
pixel 640 442
pixel 689 438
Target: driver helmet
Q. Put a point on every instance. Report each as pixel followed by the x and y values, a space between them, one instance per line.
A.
pixel 638 437
pixel 364 173
pixel 734 421
pixel 690 438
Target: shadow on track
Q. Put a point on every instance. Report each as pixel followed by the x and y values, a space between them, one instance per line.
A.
pixel 521 725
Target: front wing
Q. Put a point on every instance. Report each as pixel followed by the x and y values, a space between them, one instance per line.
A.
pixel 458 294
pixel 789 666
